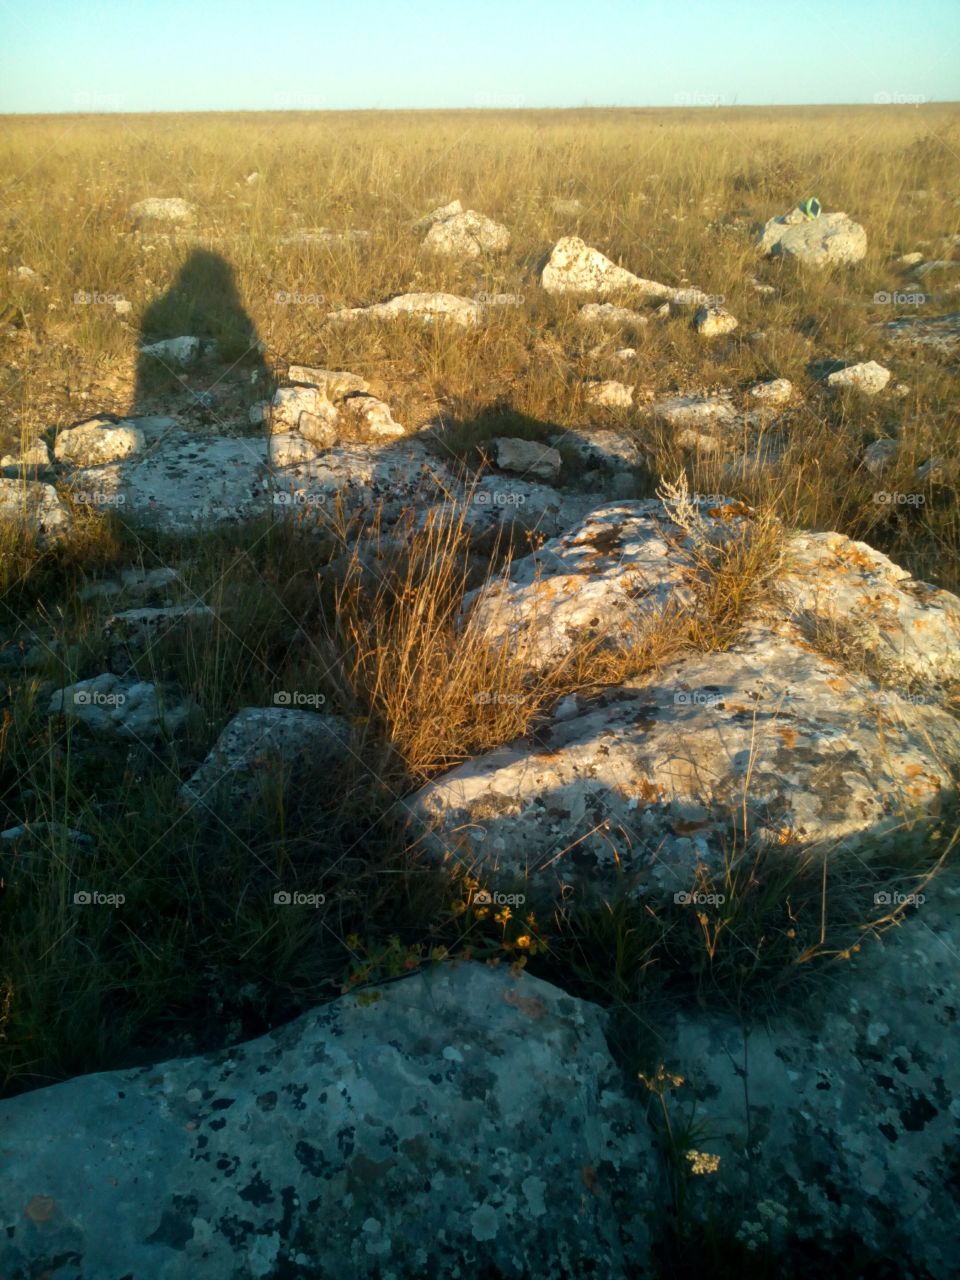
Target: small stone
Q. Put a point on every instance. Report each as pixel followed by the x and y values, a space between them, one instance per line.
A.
pixel 307 410
pixel 177 351
pixel 775 391
pixel 879 454
pixel 35 505
pixel 93 443
pixel 162 209
pixel 466 235
pixel 606 313
pixel 126 708
pixel 122 306
pixel 609 395
pixel 712 322
pixel 910 259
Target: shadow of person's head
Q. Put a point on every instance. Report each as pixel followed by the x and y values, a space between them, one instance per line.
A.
pixel 202 303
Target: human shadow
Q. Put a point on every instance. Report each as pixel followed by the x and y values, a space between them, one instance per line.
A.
pixel 209 347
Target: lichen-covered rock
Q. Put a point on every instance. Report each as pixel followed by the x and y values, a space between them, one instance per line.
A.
pixel 466 234
pixel 775 391
pixel 497 502
pixel 528 457
pixel 137 629
pixel 770 740
pixel 466 1121
pixel 831 238
pixel 371 415
pixel 426 307
pixel 183 481
pixel 699 422
pixel 262 744
pixel 842 1126
pixel 909 629
pixel 877 456
pixel 600 446
pixel 573 267
pixel 92 443
pixel 123 707
pixel 175 351
pixel 35 506
pixel 942 333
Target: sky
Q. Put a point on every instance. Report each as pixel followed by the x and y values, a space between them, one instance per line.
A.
pixel 226 55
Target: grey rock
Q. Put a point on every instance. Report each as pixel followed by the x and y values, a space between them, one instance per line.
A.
pixel 465 235
pixel 138 629
pixel 528 457
pixel 334 383
pixel 426 307
pixel 176 351
pixel 34 505
pixel 123 708
pixel 466 1120
pixel 614 450
pixel 869 378
pixel 605 313
pixel 162 209
pixel 714 322
pixel 261 744
pixel 92 443
pixel 308 410
pixel 609 395
pixel 831 238
pixel 877 456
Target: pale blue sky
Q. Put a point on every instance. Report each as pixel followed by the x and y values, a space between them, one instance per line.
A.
pixel 199 55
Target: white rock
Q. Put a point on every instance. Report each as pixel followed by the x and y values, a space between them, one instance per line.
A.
pixel 35 505
pixel 869 377
pixel 35 455
pixel 289 448
pixel 335 383
pixel 910 259
pixel 605 313
pixel 427 307
pixel 528 457
pixel 831 238
pixel 611 395
pixel 177 351
pixel 26 273
pixel 162 209
pixel 694 411
pixel 372 415
pixel 92 443
pixel 440 214
pixel 122 306
pixel 712 322
pixel 308 410
pixel 574 267
pixel 776 391
pixel 466 235
pixel 625 354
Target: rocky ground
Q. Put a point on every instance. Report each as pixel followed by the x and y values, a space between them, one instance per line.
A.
pixel 283 660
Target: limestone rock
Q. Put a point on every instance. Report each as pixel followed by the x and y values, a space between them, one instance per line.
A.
pixel 35 456
pixel 289 448
pixel 775 392
pixel 372 415
pixel 869 378
pixel 605 313
pixel 138 629
pixel 574 267
pixel 528 457
pixel 471 1121
pixel 593 446
pixel 466 235
pixel 609 395
pixel 831 238
pixel 35 505
pixel 440 214
pixel 942 333
pixel 91 443
pixel 694 411
pixel 175 351
pixel 260 744
pixel 426 307
pixel 334 383
pixel 877 456
pixel 305 409
pixel 162 209
pixel 713 322
pixel 123 708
